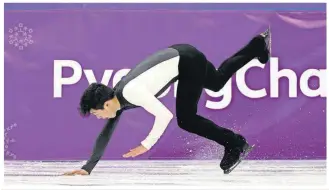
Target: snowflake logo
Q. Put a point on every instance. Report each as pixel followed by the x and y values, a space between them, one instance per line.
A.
pixel 8 141
pixel 20 36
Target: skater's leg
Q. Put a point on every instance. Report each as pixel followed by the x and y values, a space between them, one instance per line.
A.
pixel 189 89
pixel 193 75
pixel 186 109
pixel 217 78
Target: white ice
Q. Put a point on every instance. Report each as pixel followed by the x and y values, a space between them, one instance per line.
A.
pixel 176 173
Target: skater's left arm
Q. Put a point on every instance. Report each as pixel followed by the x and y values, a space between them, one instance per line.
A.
pixel 145 99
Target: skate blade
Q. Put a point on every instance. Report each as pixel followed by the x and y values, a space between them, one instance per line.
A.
pixel 269 41
pixel 243 156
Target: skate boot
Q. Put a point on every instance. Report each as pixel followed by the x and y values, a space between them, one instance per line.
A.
pixel 233 156
pixel 266 54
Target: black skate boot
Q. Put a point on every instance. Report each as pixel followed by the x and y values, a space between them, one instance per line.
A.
pixel 233 156
pixel 266 54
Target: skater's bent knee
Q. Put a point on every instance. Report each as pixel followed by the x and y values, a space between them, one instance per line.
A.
pixel 215 88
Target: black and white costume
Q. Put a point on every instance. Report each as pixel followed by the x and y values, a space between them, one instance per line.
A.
pixel 182 62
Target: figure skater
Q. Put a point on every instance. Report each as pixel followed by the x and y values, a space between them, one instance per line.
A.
pixel 143 84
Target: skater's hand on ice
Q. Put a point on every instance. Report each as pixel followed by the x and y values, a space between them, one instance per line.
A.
pixel 76 172
pixel 135 152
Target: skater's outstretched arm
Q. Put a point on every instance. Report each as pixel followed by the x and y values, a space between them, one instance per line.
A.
pixel 101 143
pixel 162 118
pixel 142 97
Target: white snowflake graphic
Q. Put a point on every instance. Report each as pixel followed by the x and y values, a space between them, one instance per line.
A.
pixel 8 140
pixel 20 36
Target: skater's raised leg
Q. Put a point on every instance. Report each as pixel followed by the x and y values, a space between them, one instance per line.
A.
pixel 258 47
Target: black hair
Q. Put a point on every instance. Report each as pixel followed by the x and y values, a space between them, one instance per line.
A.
pixel 94 97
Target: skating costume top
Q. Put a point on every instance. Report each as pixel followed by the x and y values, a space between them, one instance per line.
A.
pixel 140 88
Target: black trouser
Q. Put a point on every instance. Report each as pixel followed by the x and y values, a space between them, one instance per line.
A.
pixel 196 73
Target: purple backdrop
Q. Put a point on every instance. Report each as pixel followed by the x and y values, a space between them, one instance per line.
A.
pixel 41 127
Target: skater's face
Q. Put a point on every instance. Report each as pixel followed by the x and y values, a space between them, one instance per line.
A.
pixel 108 112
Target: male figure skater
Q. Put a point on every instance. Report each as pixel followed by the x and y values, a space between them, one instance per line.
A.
pixel 143 84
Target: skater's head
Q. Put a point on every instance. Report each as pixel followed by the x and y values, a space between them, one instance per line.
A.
pixel 100 101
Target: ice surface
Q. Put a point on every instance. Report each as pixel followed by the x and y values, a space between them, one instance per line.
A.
pixel 177 173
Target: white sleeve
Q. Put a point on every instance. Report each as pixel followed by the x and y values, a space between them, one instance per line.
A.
pixel 140 96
